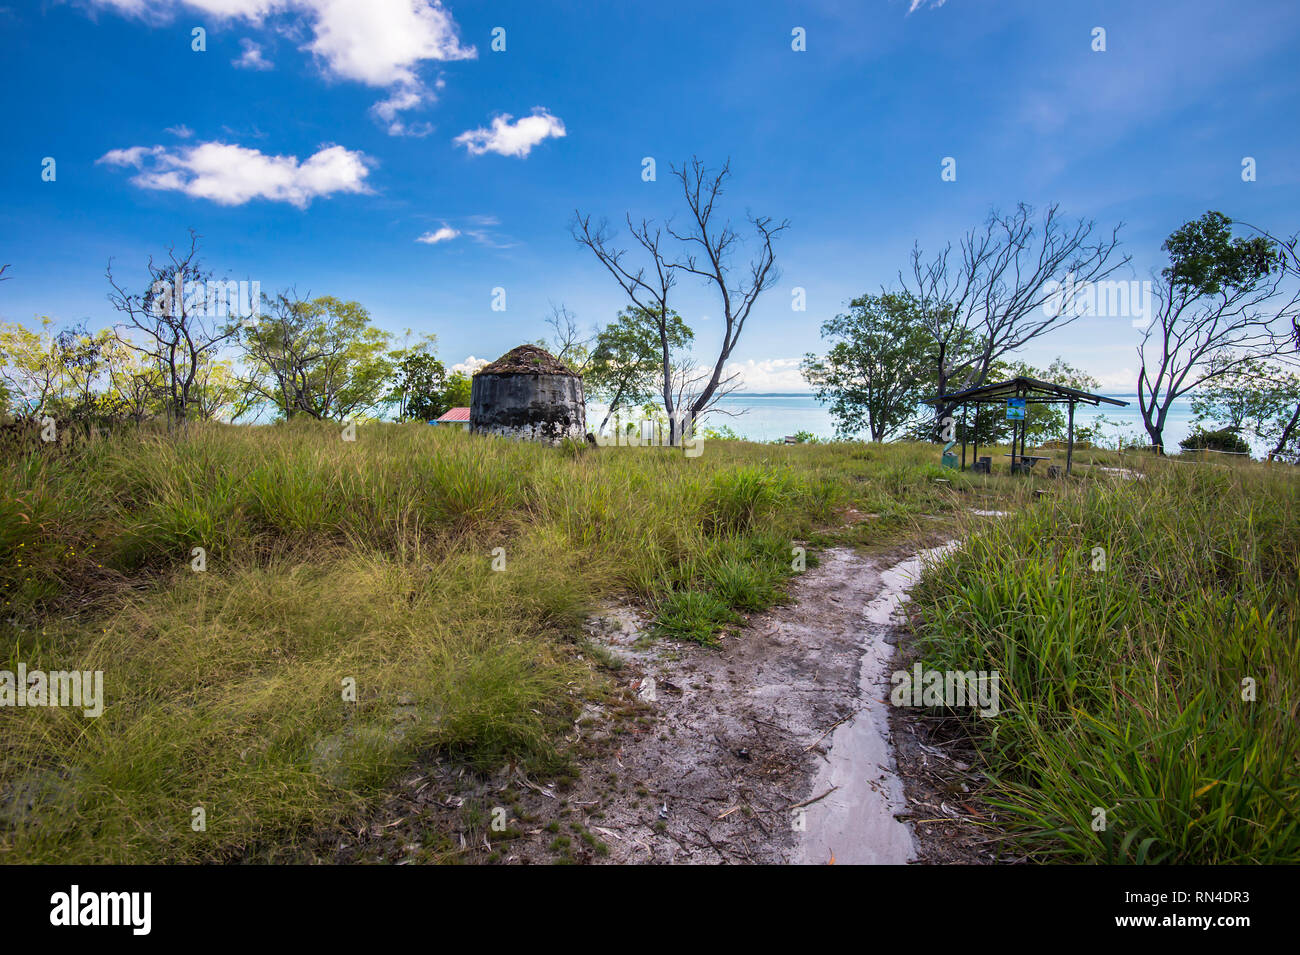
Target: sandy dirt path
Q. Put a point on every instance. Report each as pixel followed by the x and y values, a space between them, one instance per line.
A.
pixel 857 823
pixel 774 748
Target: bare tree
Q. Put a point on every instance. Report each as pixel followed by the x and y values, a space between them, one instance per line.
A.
pixel 569 345
pixel 706 248
pixel 647 290
pixel 1000 292
pixel 1220 305
pixel 715 245
pixel 1288 251
pixel 180 335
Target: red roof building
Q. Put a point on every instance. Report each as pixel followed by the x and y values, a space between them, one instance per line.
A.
pixel 458 416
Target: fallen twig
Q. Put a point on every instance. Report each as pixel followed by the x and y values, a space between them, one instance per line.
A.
pixel 809 802
pixel 830 728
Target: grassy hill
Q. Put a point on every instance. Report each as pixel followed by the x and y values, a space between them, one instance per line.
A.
pixel 370 563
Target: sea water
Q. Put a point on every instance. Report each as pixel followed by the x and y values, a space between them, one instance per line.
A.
pixel 770 417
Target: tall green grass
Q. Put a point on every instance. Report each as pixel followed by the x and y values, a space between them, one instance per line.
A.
pixel 330 560
pixel 1122 688
pixel 372 561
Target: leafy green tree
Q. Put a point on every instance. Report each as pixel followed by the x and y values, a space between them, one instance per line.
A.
pixel 1045 422
pixel 1221 304
pixel 1206 259
pixel 1257 400
pixel 64 374
pixel 30 366
pixel 320 358
pixel 626 359
pixel 456 392
pixel 874 375
pixel 218 391
pixel 420 379
pixel 136 389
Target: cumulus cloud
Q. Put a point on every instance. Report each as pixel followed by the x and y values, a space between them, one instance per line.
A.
pixel 445 234
pixel 469 366
pixel 232 175
pixel 512 139
pixel 771 375
pixel 380 44
pixel 252 58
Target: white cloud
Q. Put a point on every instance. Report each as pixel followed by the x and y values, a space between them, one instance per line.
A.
pixel 129 157
pixel 771 375
pixel 252 58
pixel 477 228
pixel 512 139
pixel 403 98
pixel 381 43
pixel 492 240
pixel 180 132
pixel 917 4
pixel 469 366
pixel 232 175
pixel 445 234
pixel 1117 382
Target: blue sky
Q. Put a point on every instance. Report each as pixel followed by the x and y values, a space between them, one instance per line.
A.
pixel 314 142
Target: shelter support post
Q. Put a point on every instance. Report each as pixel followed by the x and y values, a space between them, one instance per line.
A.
pixel 1069 440
pixel 963 436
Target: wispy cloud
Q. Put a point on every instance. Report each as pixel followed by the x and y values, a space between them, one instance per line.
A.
pixel 252 58
pixel 480 229
pixel 404 98
pixel 232 175
pixel 507 138
pixel 445 234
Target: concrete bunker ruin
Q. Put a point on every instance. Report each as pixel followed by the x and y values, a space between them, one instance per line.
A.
pixel 530 395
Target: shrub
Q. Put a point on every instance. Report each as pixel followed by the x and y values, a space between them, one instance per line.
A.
pixel 1225 439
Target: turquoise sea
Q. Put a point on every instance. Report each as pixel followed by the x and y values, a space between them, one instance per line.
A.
pixel 768 417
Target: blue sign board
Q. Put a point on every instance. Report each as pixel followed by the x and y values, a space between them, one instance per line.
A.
pixel 1015 409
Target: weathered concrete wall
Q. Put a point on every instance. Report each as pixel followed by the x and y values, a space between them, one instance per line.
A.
pixel 546 408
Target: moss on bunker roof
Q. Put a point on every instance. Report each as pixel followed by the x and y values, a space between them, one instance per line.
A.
pixel 527 360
